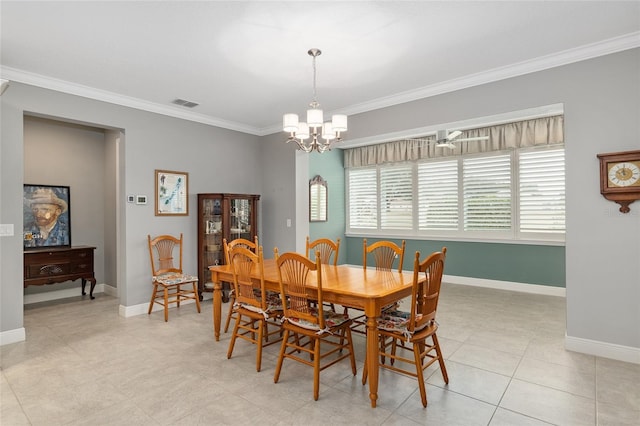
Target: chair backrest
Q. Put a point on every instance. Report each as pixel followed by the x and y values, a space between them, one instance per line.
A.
pixel 238 242
pixel 425 295
pixel 245 265
pixel 296 286
pixel 384 254
pixel 162 251
pixel 326 248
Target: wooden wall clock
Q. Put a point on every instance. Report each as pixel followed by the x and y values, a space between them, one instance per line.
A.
pixel 620 177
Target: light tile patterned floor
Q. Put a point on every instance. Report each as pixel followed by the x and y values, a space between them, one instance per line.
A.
pixel 82 364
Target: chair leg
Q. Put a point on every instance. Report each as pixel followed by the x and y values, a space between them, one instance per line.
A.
pixel 166 304
pixel 232 342
pixel 316 370
pixel 232 301
pixel 261 327
pixel 443 369
pixel 349 337
pixel 365 372
pixel 153 298
pixel 195 293
pixel 283 348
pixel 418 361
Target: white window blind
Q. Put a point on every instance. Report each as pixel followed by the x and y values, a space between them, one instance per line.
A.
pixel 396 197
pixel 487 193
pixel 438 195
pixel 363 198
pixel 542 191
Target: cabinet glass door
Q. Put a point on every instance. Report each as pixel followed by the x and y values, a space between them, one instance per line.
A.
pixel 240 214
pixel 211 250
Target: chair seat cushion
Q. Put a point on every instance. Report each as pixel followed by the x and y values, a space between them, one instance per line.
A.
pixel 398 321
pixel 174 278
pixel 331 319
pixel 273 302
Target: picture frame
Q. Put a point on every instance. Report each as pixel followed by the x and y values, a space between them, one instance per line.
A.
pixel 46 216
pixel 172 193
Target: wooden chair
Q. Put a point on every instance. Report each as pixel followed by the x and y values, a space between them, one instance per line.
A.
pixel 384 255
pixel 227 247
pixel 410 331
pixel 176 286
pixel 327 249
pixel 252 307
pixel 324 335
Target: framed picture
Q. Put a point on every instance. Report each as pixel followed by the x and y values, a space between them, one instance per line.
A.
pixel 46 216
pixel 172 193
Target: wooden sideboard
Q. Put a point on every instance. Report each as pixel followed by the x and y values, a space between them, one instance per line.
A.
pixel 55 265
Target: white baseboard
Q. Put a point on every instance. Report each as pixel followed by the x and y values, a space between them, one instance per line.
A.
pixel 13 336
pixel 602 349
pixel 506 285
pixel 143 308
pixel 66 293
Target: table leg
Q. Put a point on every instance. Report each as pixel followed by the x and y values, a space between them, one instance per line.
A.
pixel 372 359
pixel 217 309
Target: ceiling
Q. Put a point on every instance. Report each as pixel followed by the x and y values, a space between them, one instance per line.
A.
pixel 246 63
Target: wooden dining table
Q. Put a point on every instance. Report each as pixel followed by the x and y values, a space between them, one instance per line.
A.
pixel 351 286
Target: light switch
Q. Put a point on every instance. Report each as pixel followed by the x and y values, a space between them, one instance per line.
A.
pixel 288 223
pixel 6 230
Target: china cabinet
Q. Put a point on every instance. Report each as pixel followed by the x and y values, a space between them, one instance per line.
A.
pixel 221 216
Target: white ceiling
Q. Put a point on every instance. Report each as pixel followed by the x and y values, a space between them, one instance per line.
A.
pixel 246 63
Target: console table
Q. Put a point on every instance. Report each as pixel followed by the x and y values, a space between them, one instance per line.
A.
pixel 55 265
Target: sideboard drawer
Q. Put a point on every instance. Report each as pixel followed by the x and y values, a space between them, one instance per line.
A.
pixel 48 270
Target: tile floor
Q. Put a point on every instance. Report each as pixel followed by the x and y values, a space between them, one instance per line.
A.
pixel 82 364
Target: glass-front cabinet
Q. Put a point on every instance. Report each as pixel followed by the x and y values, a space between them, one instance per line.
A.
pixel 221 216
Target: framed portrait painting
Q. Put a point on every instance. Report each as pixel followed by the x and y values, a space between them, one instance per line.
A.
pixel 46 216
pixel 172 193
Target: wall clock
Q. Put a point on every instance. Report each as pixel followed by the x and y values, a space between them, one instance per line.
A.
pixel 620 177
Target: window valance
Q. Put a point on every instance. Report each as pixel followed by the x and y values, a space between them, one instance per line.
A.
pixel 519 134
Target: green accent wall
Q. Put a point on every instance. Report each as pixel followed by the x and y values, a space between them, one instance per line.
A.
pixel 330 166
pixel 521 263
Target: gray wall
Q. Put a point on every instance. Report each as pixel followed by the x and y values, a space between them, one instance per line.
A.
pixel 601 100
pixel 57 153
pixel 151 142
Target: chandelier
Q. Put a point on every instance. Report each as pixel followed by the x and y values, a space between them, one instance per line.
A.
pixel 307 135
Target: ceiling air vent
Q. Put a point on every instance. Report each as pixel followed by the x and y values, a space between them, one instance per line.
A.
pixel 184 103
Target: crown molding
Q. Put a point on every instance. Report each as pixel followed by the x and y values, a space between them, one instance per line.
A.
pixel 605 47
pixel 593 50
pixel 63 86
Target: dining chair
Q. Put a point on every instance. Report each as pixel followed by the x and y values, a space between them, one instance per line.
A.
pixel 322 334
pixel 170 283
pixel 253 309
pixel 384 254
pixel 227 246
pixel 411 331
pixel 328 251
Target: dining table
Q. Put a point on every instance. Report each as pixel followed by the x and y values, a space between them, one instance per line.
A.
pixel 368 289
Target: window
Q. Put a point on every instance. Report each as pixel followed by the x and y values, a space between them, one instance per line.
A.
pixel 396 198
pixel 363 197
pixel 509 195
